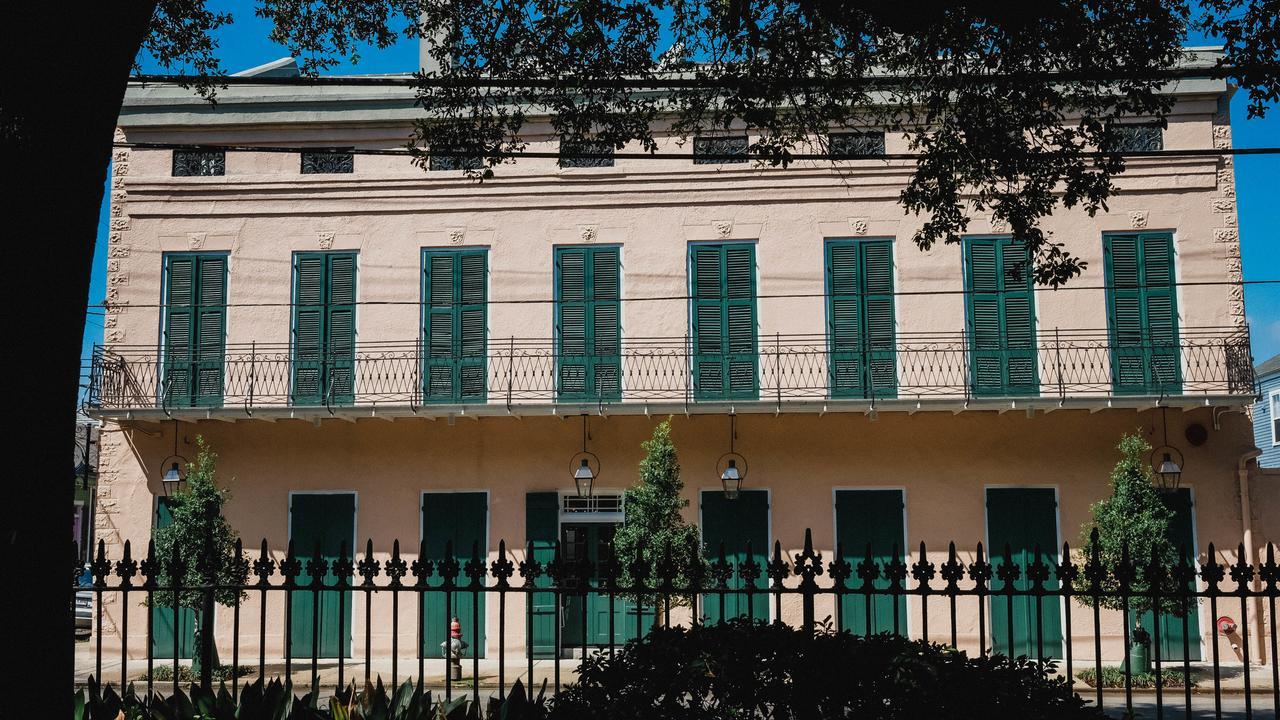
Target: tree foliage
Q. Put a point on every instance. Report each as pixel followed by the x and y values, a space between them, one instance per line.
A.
pixel 1011 107
pixel 1134 520
pixel 201 539
pixel 653 532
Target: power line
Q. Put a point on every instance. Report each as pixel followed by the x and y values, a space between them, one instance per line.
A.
pixel 741 157
pixel 772 296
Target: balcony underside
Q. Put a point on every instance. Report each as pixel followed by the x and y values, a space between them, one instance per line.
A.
pixel 392 411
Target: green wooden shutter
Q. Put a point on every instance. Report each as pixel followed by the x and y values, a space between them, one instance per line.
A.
pixel 860 318
pixel 309 292
pixel 460 518
pixel 588 323
pixel 871 518
pixel 1020 519
pixel 1001 314
pixel 454 326
pixel 325 521
pixel 210 337
pixel 724 321
pixel 1142 304
pixel 541 526
pixel 324 329
pixel 1174 644
pixel 341 330
pixel 194 329
pixel 734 523
pixel 179 330
pixel 163 626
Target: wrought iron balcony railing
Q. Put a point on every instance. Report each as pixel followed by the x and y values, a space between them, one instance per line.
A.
pixel 1068 364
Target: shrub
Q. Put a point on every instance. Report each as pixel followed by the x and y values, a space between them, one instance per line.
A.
pixel 164 673
pixel 1113 677
pixel 742 669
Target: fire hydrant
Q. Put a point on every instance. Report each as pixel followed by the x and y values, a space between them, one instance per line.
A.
pixel 453 648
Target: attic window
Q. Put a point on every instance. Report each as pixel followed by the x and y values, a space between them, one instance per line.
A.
pixel 855 144
pixel 719 149
pixel 572 153
pixel 198 163
pixel 316 162
pixel 1137 137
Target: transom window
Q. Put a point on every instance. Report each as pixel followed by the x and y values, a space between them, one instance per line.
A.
pixel 719 150
pixel 197 163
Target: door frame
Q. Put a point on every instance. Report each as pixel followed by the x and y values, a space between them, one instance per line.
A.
pixel 768 551
pixel 355 533
pixel 1202 609
pixel 488 526
pixel 1057 552
pixel 906 533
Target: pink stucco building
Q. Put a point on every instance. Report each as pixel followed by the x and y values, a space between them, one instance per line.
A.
pixel 380 351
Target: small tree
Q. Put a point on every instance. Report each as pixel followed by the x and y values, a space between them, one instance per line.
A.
pixel 1134 517
pixel 653 531
pixel 204 544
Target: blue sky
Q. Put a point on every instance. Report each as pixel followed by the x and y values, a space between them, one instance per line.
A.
pixel 244 44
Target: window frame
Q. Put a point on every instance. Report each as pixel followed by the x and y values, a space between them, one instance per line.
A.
pixel 1274 402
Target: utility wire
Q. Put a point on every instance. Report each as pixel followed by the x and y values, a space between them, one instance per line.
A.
pixel 741 157
pixel 669 298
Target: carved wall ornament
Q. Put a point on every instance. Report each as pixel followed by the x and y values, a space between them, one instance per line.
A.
pixel 325 239
pixel 1224 205
pixel 1229 220
pixel 999 224
pixel 117 182
pixel 1226 235
pixel 120 155
pixel 457 236
pixel 120 169
pixel 113 266
pixel 722 227
pixel 118 279
pixel 588 233
pixel 118 136
pixel 1138 219
pixel 860 225
pixel 113 336
pixel 116 210
pixel 120 223
pixel 110 321
pixel 1222 136
pixel 195 240
pixel 117 251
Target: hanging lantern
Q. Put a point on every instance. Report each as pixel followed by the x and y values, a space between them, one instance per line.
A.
pixel 172 479
pixel 584 466
pixel 731 466
pixel 1168 469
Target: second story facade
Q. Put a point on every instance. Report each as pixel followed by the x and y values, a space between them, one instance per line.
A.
pixel 328 281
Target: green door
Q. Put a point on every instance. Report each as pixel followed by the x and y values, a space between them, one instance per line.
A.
pixel 195 307
pixel 541 523
pixel 860 322
pixel 735 523
pixel 454 325
pixel 324 521
pixel 162 625
pixel 1143 314
pixel 874 519
pixel 1182 534
pixel 1001 317
pixel 595 542
pixel 460 518
pixel 324 328
pixel 1022 519
pixel 723 284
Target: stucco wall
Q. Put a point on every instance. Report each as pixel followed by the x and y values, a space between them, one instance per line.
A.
pixel 943 462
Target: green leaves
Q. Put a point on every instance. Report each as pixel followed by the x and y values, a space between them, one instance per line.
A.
pixel 275 700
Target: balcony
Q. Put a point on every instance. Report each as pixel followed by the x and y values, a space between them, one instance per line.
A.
pixel 1073 369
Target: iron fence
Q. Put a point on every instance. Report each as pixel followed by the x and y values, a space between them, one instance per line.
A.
pixel 978 585
pixel 783 368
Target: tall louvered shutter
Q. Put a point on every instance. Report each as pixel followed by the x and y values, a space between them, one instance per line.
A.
pixel 472 331
pixel 708 321
pixel 210 337
pixel 740 311
pixel 878 312
pixel 1001 317
pixel 1143 307
pixel 179 330
pixel 572 308
pixel 606 323
pixel 454 325
pixel 844 317
pixel 724 321
pixel 341 330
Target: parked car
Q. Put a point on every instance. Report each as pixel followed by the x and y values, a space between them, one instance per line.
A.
pixel 83 603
